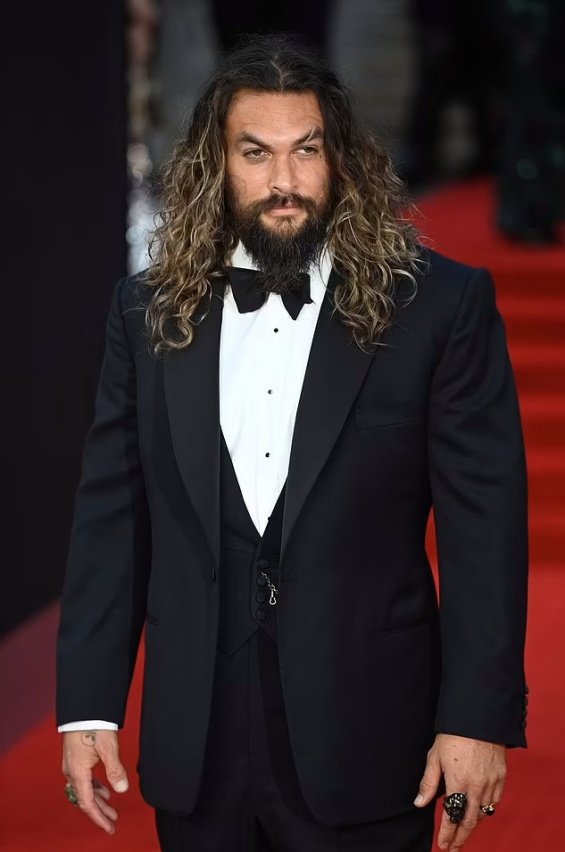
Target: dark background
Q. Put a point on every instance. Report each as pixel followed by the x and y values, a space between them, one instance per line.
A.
pixel 64 189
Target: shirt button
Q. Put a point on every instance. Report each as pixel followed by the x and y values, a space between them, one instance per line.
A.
pixel 275 330
pixel 267 455
pixel 260 614
pixel 269 391
pixel 260 597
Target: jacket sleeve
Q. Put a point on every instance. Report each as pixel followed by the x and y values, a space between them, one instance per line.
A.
pixel 478 482
pixel 105 590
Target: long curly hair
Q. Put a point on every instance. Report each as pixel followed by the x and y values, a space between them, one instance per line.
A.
pixel 370 241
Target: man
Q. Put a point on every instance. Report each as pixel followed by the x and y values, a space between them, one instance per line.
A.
pixel 256 486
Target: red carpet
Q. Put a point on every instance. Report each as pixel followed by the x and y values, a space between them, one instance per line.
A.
pixel 531 293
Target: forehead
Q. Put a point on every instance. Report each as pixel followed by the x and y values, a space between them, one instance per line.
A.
pixel 273 115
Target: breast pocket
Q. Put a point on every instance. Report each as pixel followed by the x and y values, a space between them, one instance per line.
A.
pixel 380 417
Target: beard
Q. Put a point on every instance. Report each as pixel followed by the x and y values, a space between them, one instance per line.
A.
pixel 281 255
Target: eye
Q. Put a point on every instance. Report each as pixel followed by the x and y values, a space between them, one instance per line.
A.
pixel 254 154
pixel 309 150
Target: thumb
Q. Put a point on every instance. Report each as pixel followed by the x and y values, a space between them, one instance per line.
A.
pixel 430 781
pixel 116 774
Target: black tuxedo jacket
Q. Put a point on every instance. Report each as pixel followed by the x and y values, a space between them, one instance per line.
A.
pixel 370 666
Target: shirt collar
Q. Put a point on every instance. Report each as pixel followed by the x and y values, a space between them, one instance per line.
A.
pixel 319 272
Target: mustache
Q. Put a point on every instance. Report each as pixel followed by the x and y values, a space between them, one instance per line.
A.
pixel 291 199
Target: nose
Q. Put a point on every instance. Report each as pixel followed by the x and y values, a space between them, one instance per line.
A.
pixel 282 178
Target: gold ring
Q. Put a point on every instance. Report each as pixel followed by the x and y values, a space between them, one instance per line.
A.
pixel 71 794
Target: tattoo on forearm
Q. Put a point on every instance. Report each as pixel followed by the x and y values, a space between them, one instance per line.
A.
pixel 89 738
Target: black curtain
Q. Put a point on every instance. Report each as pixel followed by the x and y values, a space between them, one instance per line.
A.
pixel 64 182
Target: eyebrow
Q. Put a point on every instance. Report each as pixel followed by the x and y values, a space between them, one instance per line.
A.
pixel 314 135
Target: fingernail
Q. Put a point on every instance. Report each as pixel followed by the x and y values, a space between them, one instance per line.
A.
pixel 419 799
pixel 121 786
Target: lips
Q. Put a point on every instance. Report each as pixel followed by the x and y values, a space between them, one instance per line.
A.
pixel 281 205
pixel 284 211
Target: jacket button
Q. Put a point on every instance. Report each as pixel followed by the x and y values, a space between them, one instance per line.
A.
pixel 260 614
pixel 260 597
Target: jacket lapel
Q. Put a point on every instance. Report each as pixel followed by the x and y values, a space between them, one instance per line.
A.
pixel 336 369
pixel 192 394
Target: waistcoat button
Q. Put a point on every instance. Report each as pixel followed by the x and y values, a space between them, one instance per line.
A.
pixel 260 614
pixel 261 597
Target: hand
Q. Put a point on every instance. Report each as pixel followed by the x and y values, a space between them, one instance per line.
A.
pixel 81 752
pixel 469 766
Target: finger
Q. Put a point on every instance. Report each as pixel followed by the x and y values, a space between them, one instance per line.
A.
pixel 490 797
pixel 429 783
pixel 82 786
pixel 106 809
pixel 101 789
pixel 87 802
pixel 446 832
pixel 448 829
pixel 468 824
pixel 115 771
pixel 498 791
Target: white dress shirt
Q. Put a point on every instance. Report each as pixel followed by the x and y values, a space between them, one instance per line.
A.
pixel 263 358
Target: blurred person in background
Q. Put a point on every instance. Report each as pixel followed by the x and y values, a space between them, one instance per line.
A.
pixel 285 394
pixel 458 59
pixel 142 23
pixel 503 61
pixel 531 159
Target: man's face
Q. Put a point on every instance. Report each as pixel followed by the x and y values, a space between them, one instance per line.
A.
pixel 276 161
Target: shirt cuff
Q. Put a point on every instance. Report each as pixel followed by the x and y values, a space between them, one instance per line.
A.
pixel 89 725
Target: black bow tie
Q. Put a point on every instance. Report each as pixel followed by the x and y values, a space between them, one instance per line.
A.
pixel 249 296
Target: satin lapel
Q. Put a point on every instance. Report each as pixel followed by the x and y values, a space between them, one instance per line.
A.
pixel 192 393
pixel 336 369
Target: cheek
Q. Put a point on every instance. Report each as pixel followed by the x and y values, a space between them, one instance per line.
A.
pixel 247 185
pixel 237 184
pixel 320 181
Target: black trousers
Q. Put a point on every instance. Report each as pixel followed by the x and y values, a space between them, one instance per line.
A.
pixel 250 799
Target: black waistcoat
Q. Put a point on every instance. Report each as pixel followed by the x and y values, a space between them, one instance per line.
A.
pixel 246 561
